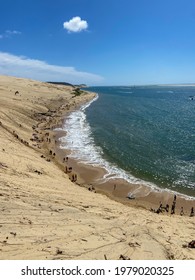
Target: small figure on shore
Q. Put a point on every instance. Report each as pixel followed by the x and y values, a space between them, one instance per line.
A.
pixel 167 207
pixel 159 210
pixel 92 189
pixel 70 169
pixel 175 197
pixel 192 212
pixel 74 178
pixel 65 159
pixel 114 187
pixel 173 208
pixel 66 169
pixel 181 212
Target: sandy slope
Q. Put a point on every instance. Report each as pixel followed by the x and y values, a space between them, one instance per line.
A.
pixel 45 216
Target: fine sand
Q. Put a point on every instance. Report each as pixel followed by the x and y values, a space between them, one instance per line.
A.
pixel 43 215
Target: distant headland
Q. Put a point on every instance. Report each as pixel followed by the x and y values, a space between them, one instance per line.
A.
pixel 67 84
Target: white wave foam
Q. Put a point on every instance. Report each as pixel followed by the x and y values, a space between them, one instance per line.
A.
pixel 165 91
pixel 125 91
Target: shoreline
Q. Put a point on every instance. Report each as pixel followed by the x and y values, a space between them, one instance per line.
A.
pixel 91 177
pixel 45 216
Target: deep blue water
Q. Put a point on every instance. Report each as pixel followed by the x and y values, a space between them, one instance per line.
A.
pixel 146 133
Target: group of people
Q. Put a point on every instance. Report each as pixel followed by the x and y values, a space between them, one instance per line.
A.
pixel 173 206
pixel 191 212
pixel 65 159
pixel 73 177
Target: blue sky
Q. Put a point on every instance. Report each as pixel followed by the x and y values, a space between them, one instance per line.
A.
pixel 99 42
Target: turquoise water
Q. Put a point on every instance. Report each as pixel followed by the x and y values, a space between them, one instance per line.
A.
pixel 139 133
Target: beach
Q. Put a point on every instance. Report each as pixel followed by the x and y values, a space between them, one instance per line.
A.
pixel 44 215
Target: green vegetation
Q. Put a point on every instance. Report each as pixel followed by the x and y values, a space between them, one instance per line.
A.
pixel 77 92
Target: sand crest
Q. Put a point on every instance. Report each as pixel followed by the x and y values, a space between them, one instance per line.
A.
pixel 43 215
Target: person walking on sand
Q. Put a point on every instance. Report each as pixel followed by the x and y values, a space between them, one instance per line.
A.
pixel 173 208
pixel 181 212
pixel 192 212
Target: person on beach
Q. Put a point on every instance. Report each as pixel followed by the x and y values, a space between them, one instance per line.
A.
pixel 159 210
pixel 192 212
pixel 173 208
pixel 70 169
pixel 114 187
pixel 173 205
pixel 167 207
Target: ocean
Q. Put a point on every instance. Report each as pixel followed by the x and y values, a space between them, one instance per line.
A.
pixel 143 134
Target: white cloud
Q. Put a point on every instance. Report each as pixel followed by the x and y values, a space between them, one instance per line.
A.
pixel 21 66
pixel 75 25
pixel 12 32
pixel 9 33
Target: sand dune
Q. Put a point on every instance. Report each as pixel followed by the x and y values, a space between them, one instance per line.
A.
pixel 43 215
